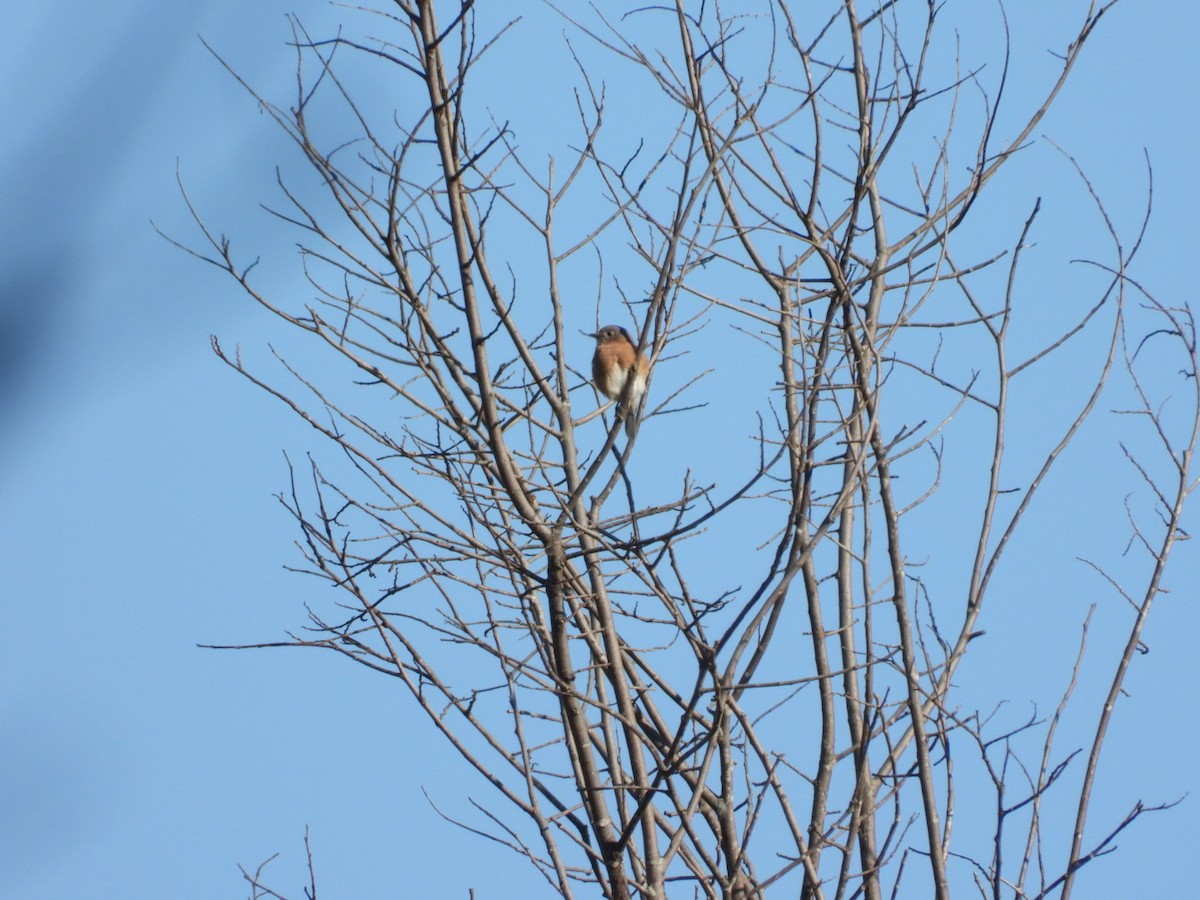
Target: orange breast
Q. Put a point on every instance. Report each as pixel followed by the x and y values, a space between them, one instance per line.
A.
pixel 610 366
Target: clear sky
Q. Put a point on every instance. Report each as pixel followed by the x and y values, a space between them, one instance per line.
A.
pixel 136 480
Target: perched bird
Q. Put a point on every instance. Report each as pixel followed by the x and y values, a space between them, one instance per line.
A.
pixel 616 362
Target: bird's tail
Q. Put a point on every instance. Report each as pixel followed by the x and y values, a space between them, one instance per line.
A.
pixel 630 414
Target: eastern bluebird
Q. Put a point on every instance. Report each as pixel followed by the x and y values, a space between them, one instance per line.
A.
pixel 616 360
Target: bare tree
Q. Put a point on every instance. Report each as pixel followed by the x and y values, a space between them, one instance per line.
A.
pixel 679 685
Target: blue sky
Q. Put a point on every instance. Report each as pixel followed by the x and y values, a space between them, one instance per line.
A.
pixel 137 474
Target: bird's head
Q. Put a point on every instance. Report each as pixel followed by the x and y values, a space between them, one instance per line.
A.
pixel 611 333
